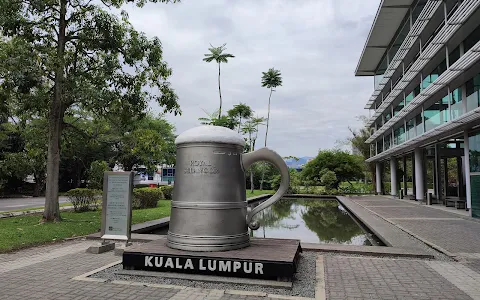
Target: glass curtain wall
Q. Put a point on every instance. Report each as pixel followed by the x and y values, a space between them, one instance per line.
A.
pixel 456 103
pixel 436 114
pixel 473 95
pixel 399 134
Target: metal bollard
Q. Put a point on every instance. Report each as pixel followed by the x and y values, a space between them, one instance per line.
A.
pixel 429 198
pixel 401 194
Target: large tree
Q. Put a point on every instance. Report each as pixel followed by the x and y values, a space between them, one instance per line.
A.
pixel 345 166
pixel 357 141
pixel 270 79
pixel 216 54
pixel 80 56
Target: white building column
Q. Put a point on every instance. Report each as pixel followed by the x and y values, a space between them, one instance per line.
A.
pixel 466 151
pixel 393 176
pixel 378 177
pixel 419 171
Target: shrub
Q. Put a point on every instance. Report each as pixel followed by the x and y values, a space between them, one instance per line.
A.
pixel 146 197
pixel 167 191
pixel 331 192
pixel 328 179
pixel 95 174
pixel 84 199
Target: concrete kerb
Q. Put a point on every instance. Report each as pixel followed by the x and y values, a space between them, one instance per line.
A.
pixel 84 277
pixel 430 244
pixel 346 205
pixel 209 278
pixel 320 278
pixel 365 250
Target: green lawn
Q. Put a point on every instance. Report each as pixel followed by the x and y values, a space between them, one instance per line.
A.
pixel 24 231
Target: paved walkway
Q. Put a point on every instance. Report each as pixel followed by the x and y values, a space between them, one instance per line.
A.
pixel 449 232
pixel 55 272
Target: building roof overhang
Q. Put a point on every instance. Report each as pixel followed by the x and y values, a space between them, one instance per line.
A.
pixel 389 16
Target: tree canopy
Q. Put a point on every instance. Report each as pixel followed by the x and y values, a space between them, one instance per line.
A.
pixel 61 58
pixel 345 166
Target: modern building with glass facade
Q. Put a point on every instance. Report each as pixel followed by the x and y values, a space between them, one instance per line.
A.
pixel 424 56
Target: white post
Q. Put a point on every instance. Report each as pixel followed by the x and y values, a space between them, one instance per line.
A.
pixel 419 182
pixel 393 176
pixel 466 149
pixel 378 178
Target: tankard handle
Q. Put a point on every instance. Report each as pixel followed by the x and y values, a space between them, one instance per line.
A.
pixel 265 154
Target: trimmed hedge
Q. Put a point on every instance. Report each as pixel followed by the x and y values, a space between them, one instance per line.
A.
pixel 167 191
pixel 84 199
pixel 143 185
pixel 146 197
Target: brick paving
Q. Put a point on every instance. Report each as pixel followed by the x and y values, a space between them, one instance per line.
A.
pixel 461 276
pixel 364 278
pixel 47 272
pixel 50 277
pixel 449 231
pixel 409 212
pixel 453 235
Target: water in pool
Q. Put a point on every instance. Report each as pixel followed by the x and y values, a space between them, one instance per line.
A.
pixel 310 221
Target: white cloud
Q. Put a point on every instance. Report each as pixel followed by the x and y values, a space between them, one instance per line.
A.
pixel 315 43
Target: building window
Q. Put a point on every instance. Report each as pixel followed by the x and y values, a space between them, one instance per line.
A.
pixel 411 129
pixel 456 104
pixel 379 146
pixel 419 125
pixel 436 114
pixel 418 9
pixel 400 38
pixel 388 116
pixel 388 141
pixel 380 71
pixel 399 135
pixel 398 108
pixel 474 145
pixel 472 39
pixel 473 95
pixel 454 56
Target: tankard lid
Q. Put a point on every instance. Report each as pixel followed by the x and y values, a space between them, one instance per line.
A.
pixel 210 134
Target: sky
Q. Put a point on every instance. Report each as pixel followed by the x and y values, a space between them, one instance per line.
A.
pixel 316 44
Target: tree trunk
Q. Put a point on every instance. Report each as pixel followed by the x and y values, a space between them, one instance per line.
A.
pixel 55 123
pixel 240 124
pixel 266 135
pixel 252 187
pixel 220 93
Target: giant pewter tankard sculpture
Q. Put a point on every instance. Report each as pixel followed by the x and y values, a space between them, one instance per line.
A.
pixel 209 207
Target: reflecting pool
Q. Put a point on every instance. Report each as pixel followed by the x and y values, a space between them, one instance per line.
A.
pixel 310 221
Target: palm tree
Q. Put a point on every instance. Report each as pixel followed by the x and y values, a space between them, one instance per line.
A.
pixel 210 119
pixel 240 111
pixel 257 121
pixel 270 79
pixel 250 127
pixel 216 53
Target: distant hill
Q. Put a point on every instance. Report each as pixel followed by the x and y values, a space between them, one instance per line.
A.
pixel 292 163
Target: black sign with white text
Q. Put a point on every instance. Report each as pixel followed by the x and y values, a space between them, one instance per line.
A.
pixel 208 265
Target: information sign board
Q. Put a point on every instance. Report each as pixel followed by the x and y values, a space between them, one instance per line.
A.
pixel 117 205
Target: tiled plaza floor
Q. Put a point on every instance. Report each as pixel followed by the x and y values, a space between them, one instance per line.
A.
pixel 48 272
pixel 449 231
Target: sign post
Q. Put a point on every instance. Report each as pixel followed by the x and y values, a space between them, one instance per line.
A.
pixel 117 205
